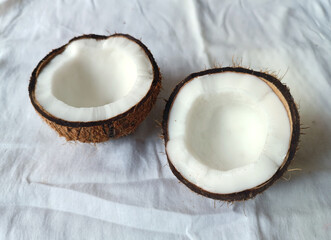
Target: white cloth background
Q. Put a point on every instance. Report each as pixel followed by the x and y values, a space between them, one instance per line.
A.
pixel 124 189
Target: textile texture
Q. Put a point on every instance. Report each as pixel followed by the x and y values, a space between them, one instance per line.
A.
pixel 124 189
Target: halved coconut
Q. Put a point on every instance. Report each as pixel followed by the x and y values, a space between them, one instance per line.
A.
pixel 96 87
pixel 230 133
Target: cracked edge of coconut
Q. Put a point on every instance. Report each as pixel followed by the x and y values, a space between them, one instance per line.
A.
pixel 94 131
pixel 287 100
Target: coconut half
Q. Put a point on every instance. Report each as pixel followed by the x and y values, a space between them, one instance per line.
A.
pixel 96 87
pixel 230 133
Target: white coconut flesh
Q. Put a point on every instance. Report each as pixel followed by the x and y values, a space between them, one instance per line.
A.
pixel 228 132
pixel 94 80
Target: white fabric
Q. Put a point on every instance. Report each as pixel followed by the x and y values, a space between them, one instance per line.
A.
pixel 123 189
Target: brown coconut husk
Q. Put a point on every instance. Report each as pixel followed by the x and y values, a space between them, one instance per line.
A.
pixel 282 92
pixel 98 131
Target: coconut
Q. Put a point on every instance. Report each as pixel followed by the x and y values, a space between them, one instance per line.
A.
pixel 231 132
pixel 95 87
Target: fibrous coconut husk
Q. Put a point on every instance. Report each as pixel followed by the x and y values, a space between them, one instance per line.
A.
pixel 98 131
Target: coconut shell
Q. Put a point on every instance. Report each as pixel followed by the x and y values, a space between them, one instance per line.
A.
pixel 282 92
pixel 98 131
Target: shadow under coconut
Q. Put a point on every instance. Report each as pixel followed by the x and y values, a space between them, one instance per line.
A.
pixel 312 154
pixel 315 141
pixel 150 127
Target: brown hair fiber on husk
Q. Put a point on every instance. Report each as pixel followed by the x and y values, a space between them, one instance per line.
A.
pixel 293 113
pixel 98 131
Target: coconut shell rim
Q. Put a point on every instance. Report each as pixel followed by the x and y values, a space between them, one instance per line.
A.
pixel 295 124
pixel 55 52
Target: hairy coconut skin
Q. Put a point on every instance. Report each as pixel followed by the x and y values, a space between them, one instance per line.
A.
pixel 98 131
pixel 293 113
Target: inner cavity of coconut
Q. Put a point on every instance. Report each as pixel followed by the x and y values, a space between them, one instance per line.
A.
pixel 85 81
pixel 94 80
pixel 228 132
